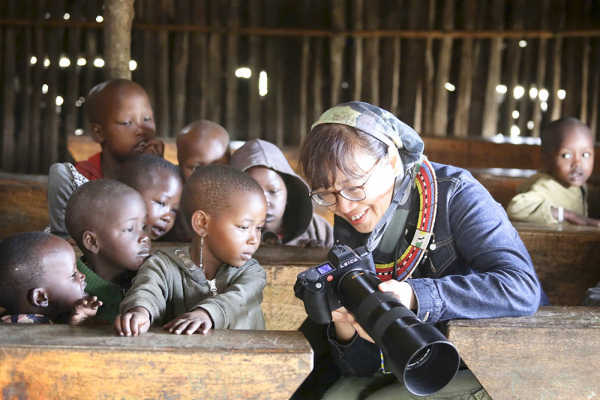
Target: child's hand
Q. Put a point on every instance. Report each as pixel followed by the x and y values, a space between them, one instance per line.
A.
pixel 85 310
pixel 310 243
pixel 155 147
pixel 135 322
pixel 190 322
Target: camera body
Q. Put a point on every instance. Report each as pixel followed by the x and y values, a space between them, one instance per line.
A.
pixel 318 286
pixel 419 355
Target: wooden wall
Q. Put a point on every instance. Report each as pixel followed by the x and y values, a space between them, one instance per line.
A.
pixel 399 54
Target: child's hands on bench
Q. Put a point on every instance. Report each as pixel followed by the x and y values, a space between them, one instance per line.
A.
pixel 135 322
pixel 85 310
pixel 190 322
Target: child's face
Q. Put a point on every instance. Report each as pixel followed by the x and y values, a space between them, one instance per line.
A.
pixel 128 122
pixel 234 235
pixel 275 193
pixel 573 162
pixel 162 200
pixel 63 283
pixel 194 154
pixel 121 236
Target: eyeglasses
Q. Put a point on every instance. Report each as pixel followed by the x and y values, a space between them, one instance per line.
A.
pixel 352 193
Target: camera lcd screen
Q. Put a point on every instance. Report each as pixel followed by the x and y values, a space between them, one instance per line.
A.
pixel 323 269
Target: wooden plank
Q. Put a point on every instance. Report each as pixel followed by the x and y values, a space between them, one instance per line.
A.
pixel 25 133
pixel 8 96
pixel 490 112
pixel 36 96
pixel 162 107
pixel 541 71
pixel 214 92
pixel 317 95
pixel 198 80
pixel 544 356
pixel 357 24
pixel 74 70
pixel 336 50
pixel 372 54
pixel 585 73
pixel 54 361
pixel 593 124
pixel 231 113
pixel 428 81
pixel 255 64
pixel 181 55
pixel 91 44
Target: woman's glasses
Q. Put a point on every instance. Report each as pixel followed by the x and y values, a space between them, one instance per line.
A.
pixel 352 193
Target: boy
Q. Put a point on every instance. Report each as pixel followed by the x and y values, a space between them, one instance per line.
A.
pixel 107 220
pixel 217 284
pixel 558 192
pixel 122 122
pixel 290 217
pixel 201 143
pixel 159 183
pixel 39 282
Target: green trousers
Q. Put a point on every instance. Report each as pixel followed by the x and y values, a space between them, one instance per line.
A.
pixel 464 386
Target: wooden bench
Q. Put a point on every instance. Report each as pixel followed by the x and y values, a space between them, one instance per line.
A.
pixel 550 355
pixel 66 362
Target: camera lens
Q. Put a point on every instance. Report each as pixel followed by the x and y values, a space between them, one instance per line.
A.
pixel 419 355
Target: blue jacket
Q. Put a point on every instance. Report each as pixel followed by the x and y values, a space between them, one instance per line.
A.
pixel 479 269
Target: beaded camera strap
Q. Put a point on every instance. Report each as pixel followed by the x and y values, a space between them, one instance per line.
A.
pixel 426 184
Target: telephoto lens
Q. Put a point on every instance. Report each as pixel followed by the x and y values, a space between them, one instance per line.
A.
pixel 418 354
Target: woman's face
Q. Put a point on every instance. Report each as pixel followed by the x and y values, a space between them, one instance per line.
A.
pixel 364 215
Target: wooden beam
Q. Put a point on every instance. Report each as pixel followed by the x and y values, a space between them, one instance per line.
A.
pixel 440 111
pixel 336 50
pixel 53 361
pixel 118 18
pixel 467 71
pixel 357 25
pixel 255 64
pixel 372 54
pixel 546 355
pixel 540 71
pixel 8 96
pixel 180 65
pixel 490 111
pixel 231 112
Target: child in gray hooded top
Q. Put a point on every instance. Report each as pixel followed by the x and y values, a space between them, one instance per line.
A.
pixel 290 217
pixel 215 283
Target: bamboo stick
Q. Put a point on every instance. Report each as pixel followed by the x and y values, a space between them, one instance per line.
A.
pixel 8 96
pixel 118 18
pixel 465 80
pixel 254 101
pixel 357 25
pixel 336 49
pixel 440 113
pixel 490 112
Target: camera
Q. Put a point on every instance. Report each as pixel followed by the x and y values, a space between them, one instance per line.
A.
pixel 419 355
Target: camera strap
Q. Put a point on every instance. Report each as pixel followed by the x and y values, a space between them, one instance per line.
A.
pixel 424 180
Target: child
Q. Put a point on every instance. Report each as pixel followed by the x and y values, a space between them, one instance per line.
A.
pixel 217 284
pixel 159 183
pixel 290 217
pixel 39 282
pixel 107 220
pixel 558 192
pixel 122 122
pixel 201 143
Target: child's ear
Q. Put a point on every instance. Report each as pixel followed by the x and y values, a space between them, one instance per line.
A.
pixel 97 134
pixel 200 222
pixel 90 242
pixel 395 161
pixel 38 297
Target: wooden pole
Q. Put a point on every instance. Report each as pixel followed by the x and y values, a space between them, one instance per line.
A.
pixel 118 18
pixel 357 24
pixel 36 97
pixel 490 112
pixel 541 70
pixel 372 50
pixel 513 62
pixel 595 91
pixel 254 100
pixel 162 109
pixel 440 113
pixel 394 50
pixel 74 70
pixel 465 79
pixel 304 67
pixel 25 133
pixel 231 113
pixel 429 88
pixel 198 76
pixel 318 81
pixel 336 49
pixel 149 74
pixel 273 125
pixel 181 55
pixel 555 102
pixel 585 73
pixel 8 96
pixel 214 93
pixel 414 70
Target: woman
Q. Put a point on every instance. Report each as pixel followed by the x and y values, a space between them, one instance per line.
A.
pixel 439 240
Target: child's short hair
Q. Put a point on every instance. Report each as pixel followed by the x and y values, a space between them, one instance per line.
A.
pixel 141 170
pixel 553 134
pixel 88 204
pixel 211 188
pixel 97 95
pixel 21 268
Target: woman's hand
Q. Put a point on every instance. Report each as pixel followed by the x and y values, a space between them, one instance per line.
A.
pixel 401 289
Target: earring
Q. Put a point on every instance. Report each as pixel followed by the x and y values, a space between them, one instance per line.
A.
pixel 201 247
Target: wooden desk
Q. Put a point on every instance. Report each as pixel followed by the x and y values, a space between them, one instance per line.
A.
pixel 66 362
pixel 550 355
